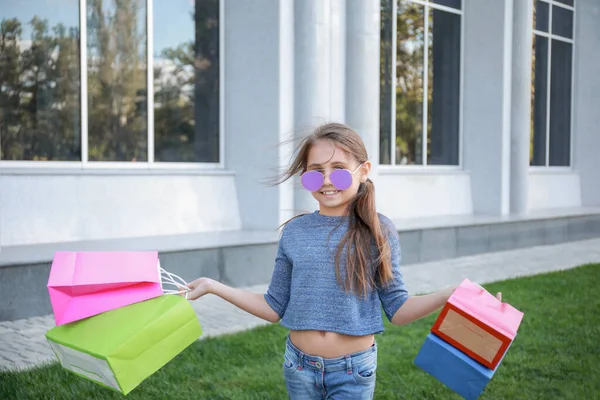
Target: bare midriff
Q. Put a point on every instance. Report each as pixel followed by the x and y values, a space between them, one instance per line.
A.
pixel 330 344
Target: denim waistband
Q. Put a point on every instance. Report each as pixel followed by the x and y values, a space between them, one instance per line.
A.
pixel 330 364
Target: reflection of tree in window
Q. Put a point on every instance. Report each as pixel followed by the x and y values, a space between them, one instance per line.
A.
pixel 441 63
pixel 409 80
pixel 39 89
pixel 386 81
pixel 117 111
pixel 186 89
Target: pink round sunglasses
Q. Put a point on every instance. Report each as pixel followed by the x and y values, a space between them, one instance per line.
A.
pixel 341 179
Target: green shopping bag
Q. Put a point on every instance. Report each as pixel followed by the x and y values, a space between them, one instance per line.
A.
pixel 122 347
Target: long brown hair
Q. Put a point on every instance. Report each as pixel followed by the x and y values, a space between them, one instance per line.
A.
pixel 364 228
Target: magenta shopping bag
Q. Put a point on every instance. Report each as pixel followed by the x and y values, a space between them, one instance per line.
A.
pixel 83 284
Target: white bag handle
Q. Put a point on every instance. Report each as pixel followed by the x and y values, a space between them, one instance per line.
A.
pixel 168 278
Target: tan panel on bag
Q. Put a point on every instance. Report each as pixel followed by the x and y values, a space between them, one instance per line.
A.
pixel 471 336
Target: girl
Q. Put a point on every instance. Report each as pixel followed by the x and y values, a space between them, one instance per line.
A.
pixel 335 269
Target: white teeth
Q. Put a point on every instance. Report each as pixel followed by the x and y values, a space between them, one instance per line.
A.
pixel 333 192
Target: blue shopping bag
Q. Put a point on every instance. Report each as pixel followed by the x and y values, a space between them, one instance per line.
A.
pixel 453 368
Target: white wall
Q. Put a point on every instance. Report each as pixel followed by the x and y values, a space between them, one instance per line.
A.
pixel 486 103
pixel 553 189
pixel 46 208
pixel 256 103
pixel 586 101
pixel 413 195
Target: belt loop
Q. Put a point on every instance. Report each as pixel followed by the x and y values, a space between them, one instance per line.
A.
pixel 348 364
pixel 300 360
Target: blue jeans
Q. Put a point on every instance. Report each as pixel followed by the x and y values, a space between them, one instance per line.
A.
pixel 346 378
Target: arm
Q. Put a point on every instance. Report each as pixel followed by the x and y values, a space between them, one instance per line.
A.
pixel 399 307
pixel 253 303
pixel 417 307
pixel 269 306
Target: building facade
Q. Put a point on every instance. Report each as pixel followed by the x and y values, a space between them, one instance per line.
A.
pixel 127 124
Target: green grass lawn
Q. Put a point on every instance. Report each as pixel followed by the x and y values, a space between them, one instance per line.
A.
pixel 556 355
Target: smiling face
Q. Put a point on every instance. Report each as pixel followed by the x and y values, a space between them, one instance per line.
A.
pixel 325 156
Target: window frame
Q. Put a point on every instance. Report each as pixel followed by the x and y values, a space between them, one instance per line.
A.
pixel 428 4
pixel 550 36
pixel 150 164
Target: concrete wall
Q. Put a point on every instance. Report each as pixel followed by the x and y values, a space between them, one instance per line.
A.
pixel 579 185
pixel 486 103
pixel 47 207
pixel 263 74
pixel 586 110
pixel 234 265
pixel 554 189
pixel 255 104
pixel 411 195
pixel 253 264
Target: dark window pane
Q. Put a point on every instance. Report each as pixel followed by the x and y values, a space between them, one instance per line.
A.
pixel 443 88
pixel 560 103
pixel 450 3
pixel 567 2
pixel 186 81
pixel 40 106
pixel 386 82
pixel 117 101
pixel 539 101
pixel 562 22
pixel 541 15
pixel 410 42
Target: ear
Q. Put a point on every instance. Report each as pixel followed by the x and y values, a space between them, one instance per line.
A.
pixel 364 171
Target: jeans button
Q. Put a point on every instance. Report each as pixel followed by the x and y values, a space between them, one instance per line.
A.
pixel 318 365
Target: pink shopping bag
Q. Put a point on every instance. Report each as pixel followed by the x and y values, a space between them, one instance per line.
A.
pixel 478 324
pixel 83 284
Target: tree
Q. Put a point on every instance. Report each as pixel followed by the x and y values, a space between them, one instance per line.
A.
pixel 407 74
pixel 117 95
pixel 186 81
pixel 39 92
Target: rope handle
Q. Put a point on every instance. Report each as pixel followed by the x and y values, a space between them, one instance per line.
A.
pixel 168 278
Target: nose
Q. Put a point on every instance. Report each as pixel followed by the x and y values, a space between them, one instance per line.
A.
pixel 326 181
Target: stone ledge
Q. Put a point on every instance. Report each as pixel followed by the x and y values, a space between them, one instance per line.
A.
pixel 44 252
pixel 456 221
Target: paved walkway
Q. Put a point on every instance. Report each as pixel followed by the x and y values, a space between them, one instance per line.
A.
pixel 23 345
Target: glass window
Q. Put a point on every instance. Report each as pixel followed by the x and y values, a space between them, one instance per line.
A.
pixel 560 103
pixel 186 81
pixel 552 70
pixel 387 82
pixel 426 60
pixel 41 86
pixel 116 72
pixel 410 58
pixel 562 22
pixel 539 100
pixel 449 3
pixel 443 88
pixel 40 112
pixel 541 14
pixel 567 2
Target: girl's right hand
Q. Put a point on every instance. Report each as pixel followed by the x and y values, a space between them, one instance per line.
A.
pixel 199 288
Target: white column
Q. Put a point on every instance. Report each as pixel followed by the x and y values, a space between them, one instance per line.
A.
pixel 286 104
pixel 486 114
pixel 362 73
pixel 338 60
pixel 520 105
pixel 312 84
